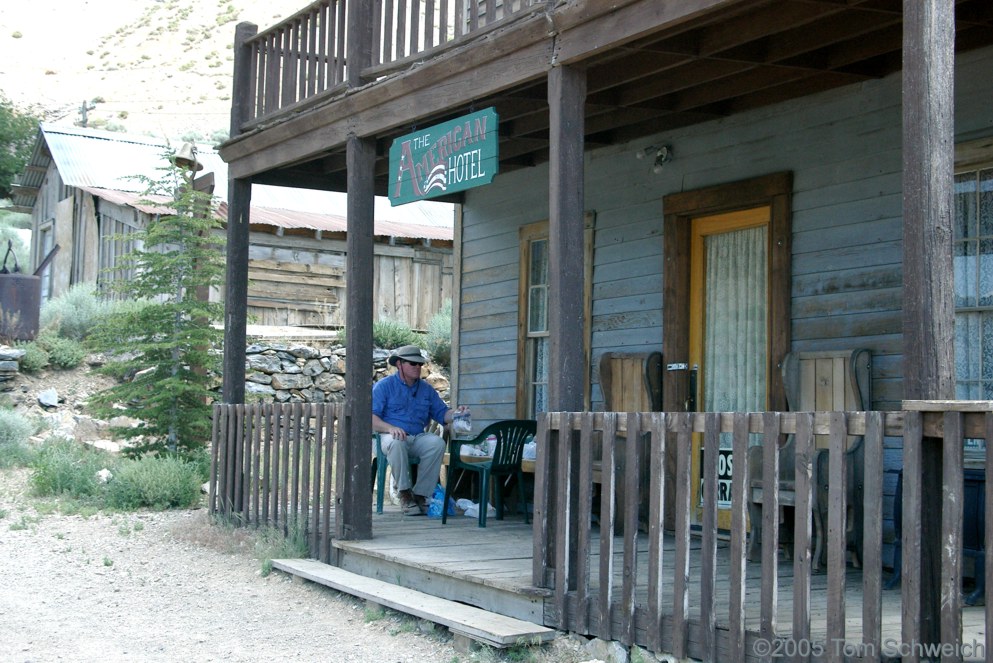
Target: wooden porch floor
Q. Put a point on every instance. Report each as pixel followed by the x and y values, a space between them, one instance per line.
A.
pixel 491 568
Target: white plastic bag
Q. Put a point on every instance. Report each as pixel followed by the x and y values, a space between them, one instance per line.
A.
pixel 472 511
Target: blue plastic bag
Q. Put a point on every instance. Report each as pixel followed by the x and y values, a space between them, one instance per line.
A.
pixel 437 499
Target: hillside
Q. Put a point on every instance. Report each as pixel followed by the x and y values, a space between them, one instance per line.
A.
pixel 157 67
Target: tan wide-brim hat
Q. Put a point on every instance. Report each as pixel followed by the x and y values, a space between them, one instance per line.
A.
pixel 410 353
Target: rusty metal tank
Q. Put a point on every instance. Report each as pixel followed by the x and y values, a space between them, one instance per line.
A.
pixel 20 299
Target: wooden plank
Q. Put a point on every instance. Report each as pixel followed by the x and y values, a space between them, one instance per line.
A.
pixel 910 572
pixel 481 625
pixel 872 562
pixel 708 547
pixel 739 514
pixel 988 429
pixel 608 515
pixel 681 572
pixel 836 540
pixel 584 506
pixel 770 525
pixel 563 473
pixel 632 471
pixel 656 530
pixel 803 475
pixel 953 497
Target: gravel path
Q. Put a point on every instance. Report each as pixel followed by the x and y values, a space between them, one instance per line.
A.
pixel 168 586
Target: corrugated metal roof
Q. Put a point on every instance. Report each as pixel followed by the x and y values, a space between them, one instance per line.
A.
pixel 280 218
pixel 105 163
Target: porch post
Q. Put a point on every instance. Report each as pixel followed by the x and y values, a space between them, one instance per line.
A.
pixel 353 505
pixel 236 291
pixel 566 305
pixel 929 315
pixel 566 97
pixel 239 209
pixel 360 40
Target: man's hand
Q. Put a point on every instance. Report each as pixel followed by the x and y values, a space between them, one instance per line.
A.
pixel 397 433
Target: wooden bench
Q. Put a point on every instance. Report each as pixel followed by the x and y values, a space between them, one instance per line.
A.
pixel 466 622
pixel 816 382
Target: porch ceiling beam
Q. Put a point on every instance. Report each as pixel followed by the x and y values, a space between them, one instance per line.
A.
pixel 790 90
pixel 788 47
pixel 754 83
pixel 522 53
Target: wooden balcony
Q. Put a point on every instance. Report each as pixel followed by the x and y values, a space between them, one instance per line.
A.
pixel 306 56
pixel 689 592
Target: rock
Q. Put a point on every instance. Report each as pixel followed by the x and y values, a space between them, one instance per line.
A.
pixel 49 398
pixel 607 651
pixel 314 367
pixel 329 382
pixel 89 429
pixel 11 354
pixel 290 367
pixel 291 381
pixel 304 351
pixel 259 378
pixel 262 390
pixel 263 363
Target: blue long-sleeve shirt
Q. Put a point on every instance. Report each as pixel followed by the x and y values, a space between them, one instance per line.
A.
pixel 409 408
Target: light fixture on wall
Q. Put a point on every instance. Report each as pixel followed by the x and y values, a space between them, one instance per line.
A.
pixel 660 153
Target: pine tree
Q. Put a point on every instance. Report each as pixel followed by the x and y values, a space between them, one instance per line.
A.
pixel 168 342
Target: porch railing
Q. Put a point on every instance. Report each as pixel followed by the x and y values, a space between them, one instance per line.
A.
pixel 654 608
pixel 306 55
pixel 271 466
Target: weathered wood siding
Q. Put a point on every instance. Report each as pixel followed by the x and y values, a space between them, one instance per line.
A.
pixel 296 280
pixel 843 148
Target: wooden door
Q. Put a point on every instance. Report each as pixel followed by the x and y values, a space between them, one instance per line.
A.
pixel 729 309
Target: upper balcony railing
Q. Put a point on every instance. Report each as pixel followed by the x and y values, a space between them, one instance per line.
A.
pixel 307 54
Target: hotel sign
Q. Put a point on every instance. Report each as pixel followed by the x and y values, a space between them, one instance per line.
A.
pixel 449 157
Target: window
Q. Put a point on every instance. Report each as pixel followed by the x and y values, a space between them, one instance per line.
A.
pixel 973 267
pixel 533 336
pixel 536 333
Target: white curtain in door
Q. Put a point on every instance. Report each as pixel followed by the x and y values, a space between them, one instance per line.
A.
pixel 734 359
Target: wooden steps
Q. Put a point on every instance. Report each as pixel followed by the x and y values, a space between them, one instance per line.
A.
pixel 490 628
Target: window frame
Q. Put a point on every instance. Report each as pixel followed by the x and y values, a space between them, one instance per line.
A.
pixel 971 157
pixel 526 235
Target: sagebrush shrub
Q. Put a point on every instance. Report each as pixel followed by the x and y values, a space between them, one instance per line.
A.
pixel 75 312
pixel 35 358
pixel 62 352
pixel 66 467
pixel 438 340
pixel 391 334
pixel 15 429
pixel 159 482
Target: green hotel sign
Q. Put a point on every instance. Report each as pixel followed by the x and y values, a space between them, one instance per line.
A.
pixel 449 157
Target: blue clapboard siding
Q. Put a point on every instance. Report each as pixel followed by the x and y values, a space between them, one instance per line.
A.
pixel 843 148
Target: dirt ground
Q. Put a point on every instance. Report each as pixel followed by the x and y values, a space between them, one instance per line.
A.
pixel 169 586
pixel 172 586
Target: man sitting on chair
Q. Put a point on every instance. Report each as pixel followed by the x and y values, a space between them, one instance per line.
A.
pixel 402 406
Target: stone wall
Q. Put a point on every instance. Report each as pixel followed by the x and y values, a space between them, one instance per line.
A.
pixel 295 373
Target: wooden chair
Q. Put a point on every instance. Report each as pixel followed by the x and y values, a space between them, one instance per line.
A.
pixel 511 435
pixel 631 382
pixel 816 382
